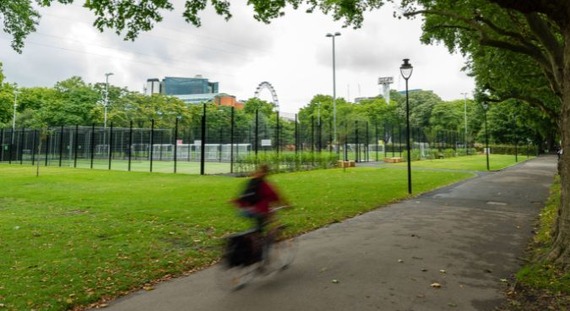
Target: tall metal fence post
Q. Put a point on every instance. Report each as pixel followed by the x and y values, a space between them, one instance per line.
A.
pixel 277 132
pixel 60 145
pixel 345 141
pixel 175 143
pixel 367 145
pixel 76 145
pixel 203 141
pixel 22 137
pixel 357 143
pixel 377 141
pixel 232 140
pixel 313 136
pixel 256 134
pixel 92 147
pixel 130 145
pixel 400 138
pixel 151 143
pixel 34 146
pixel 296 134
pixel 47 146
pixel 11 154
pixel 110 145
pixel 1 144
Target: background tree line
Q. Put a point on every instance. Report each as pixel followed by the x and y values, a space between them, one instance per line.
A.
pixel 74 102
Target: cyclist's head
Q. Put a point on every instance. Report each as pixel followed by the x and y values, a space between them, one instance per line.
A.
pixel 262 170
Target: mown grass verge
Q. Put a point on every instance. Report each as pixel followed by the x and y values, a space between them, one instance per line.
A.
pixel 469 163
pixel 539 284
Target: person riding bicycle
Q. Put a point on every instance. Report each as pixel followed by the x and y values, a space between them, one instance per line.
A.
pixel 256 201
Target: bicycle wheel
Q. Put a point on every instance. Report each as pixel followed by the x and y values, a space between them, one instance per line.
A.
pixel 239 262
pixel 234 278
pixel 281 254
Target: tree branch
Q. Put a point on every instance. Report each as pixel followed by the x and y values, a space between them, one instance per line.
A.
pixel 557 10
pixel 551 44
pixel 485 27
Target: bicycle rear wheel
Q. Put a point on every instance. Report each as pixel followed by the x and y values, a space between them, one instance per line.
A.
pixel 240 261
pixel 281 254
pixel 234 278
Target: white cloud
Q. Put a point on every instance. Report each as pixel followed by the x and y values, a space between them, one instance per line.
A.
pixel 292 53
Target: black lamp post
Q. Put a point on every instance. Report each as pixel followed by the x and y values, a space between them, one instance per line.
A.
pixel 406 71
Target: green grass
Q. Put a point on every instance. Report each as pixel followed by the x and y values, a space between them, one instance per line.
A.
pixel 469 163
pixel 183 167
pixel 540 274
pixel 71 237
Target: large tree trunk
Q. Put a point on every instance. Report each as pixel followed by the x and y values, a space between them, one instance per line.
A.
pixel 560 253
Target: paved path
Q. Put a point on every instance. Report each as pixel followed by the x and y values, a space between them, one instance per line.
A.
pixel 466 237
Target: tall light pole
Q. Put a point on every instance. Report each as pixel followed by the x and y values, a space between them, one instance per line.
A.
pixel 106 103
pixel 465 114
pixel 406 70
pixel 333 36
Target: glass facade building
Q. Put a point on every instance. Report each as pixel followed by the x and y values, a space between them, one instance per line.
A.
pixel 190 90
pixel 188 86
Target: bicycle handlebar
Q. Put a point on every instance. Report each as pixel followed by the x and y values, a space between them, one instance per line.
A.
pixel 275 209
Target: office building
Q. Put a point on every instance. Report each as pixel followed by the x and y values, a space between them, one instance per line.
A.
pixel 195 90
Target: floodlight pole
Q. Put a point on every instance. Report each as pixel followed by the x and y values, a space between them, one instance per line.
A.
pixel 106 103
pixel 14 117
pixel 333 36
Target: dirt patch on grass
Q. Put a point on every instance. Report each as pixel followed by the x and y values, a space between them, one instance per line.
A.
pixel 525 298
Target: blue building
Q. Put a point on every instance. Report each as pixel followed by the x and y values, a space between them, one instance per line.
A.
pixel 191 90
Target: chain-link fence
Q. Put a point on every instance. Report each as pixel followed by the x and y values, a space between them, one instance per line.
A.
pixel 211 146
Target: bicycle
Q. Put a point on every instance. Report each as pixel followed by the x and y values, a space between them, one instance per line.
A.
pixel 250 253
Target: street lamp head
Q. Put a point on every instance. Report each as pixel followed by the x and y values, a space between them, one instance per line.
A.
pixel 406 69
pixel 109 74
pixel 336 34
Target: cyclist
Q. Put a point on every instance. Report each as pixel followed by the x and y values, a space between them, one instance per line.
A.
pixel 259 196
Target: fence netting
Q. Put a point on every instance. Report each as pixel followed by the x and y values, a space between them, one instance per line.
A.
pixel 214 147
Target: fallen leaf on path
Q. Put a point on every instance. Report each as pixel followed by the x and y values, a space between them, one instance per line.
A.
pixel 435 285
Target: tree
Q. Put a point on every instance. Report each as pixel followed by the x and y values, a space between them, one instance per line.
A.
pixel 33 104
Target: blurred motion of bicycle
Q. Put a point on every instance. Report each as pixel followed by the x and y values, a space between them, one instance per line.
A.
pixel 254 252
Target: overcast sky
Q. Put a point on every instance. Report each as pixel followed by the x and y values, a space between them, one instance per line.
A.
pixel 292 53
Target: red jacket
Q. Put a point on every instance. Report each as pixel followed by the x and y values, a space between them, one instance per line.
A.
pixel 267 195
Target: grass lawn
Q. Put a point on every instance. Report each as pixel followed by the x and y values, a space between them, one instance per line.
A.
pixel 71 237
pixel 470 163
pixel 183 167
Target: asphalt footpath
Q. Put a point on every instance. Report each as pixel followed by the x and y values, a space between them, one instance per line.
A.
pixel 455 248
